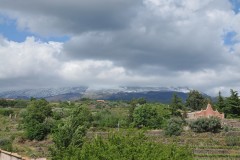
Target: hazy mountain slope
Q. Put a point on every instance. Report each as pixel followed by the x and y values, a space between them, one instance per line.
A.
pixel 157 94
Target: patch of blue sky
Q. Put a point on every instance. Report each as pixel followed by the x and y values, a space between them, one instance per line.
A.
pixel 235 5
pixel 230 38
pixel 9 30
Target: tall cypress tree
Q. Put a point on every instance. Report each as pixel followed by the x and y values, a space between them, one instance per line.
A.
pixel 175 105
pixel 232 108
pixel 195 100
pixel 220 102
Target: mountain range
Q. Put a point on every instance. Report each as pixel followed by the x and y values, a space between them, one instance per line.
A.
pixel 157 94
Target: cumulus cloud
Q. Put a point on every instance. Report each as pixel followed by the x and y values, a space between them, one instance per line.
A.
pixel 148 42
pixel 177 35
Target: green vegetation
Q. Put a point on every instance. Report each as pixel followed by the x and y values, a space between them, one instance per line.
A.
pixel 232 108
pixel 6 111
pixel 195 100
pixel 70 133
pixel 6 144
pixel 230 105
pixel 105 118
pixel 147 116
pixel 128 146
pixel 220 102
pixel 232 140
pixel 176 105
pixel 174 127
pixel 7 103
pixel 87 129
pixel 35 119
pixel 211 124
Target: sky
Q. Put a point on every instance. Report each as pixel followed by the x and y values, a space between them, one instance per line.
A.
pixel 109 43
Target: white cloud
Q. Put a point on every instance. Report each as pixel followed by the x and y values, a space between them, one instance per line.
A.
pixel 30 58
pixel 160 43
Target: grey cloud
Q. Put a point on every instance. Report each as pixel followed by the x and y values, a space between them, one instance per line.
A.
pixel 189 43
pixel 72 16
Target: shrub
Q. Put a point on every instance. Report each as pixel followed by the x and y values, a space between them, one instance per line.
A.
pixel 6 144
pixel 6 112
pixel 174 127
pixel 21 104
pixel 232 141
pixel 147 116
pixel 125 147
pixel 212 124
pixel 70 132
pixel 35 119
pixel 105 118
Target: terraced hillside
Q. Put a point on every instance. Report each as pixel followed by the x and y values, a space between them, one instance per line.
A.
pixel 215 146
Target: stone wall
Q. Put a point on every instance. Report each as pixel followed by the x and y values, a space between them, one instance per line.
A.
pixel 4 155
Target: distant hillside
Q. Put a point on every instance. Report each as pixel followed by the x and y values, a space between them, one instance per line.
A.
pixel 155 94
pixel 63 93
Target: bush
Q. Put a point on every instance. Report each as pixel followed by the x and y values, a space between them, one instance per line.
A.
pixel 105 118
pixel 6 144
pixel 147 116
pixel 128 147
pixel 232 141
pixel 35 119
pixel 6 112
pixel 70 132
pixel 212 124
pixel 21 104
pixel 174 127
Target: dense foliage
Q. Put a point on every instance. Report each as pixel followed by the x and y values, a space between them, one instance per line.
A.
pixel 220 102
pixel 232 107
pixel 125 147
pixel 35 119
pixel 6 144
pixel 212 124
pixel 133 104
pixel 176 105
pixel 174 127
pixel 7 103
pixel 195 100
pixel 70 133
pixel 6 111
pixel 147 116
pixel 105 118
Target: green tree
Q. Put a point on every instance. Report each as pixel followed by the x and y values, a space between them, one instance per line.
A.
pixel 220 102
pixel 195 100
pixel 71 132
pixel 175 105
pixel 133 104
pixel 232 108
pixel 147 116
pixel 35 119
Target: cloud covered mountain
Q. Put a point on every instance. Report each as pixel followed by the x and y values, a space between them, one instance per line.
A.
pixel 158 94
